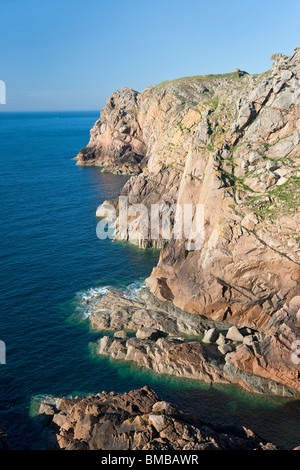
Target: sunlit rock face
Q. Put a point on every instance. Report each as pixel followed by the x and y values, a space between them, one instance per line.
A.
pixel 232 143
pixel 137 420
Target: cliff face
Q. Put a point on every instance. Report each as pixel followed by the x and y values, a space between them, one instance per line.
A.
pixel 117 142
pixel 232 143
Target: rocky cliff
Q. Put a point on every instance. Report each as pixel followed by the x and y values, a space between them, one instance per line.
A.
pixel 117 142
pixel 232 143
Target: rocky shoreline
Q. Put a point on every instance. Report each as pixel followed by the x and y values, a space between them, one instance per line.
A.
pixel 137 420
pixel 153 338
pixel 137 330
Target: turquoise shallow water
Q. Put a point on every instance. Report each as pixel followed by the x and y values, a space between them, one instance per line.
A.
pixel 50 258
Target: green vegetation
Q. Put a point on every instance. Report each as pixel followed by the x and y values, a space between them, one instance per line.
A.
pixel 279 200
pixel 182 127
pixel 187 81
pixel 186 100
pixel 213 103
pixel 230 180
pixel 197 177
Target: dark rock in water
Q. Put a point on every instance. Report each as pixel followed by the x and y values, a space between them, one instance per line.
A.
pixel 139 420
pixel 4 444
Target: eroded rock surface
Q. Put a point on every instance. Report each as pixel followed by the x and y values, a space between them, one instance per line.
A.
pixel 116 142
pixel 160 340
pixel 137 420
pixel 276 356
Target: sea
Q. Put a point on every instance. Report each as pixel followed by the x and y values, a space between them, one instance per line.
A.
pixel 51 259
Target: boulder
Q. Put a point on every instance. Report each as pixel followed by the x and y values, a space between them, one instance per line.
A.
pixel 163 407
pixel 210 336
pixel 159 422
pixel 121 334
pixel 225 348
pixel 104 344
pixel 118 349
pixel 150 334
pixel 46 413
pixel 221 339
pixel 234 334
pixel 248 340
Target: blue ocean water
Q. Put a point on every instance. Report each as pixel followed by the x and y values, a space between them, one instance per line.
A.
pixel 50 258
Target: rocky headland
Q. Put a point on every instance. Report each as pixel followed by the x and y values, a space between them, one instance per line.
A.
pixel 137 420
pixel 232 143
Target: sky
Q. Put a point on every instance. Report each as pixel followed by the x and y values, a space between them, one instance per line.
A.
pixel 72 54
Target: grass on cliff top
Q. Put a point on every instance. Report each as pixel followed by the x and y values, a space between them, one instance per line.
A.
pixel 198 78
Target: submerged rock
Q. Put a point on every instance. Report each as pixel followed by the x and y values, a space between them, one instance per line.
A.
pixel 121 334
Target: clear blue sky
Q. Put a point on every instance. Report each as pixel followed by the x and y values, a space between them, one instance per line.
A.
pixel 71 54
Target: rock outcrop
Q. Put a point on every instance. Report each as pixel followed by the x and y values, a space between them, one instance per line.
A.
pixel 275 356
pixel 116 142
pixel 232 143
pixel 147 333
pixel 137 420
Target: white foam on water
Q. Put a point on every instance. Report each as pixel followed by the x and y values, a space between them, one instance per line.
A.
pixel 37 400
pixel 89 298
pixel 92 292
pixel 133 290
